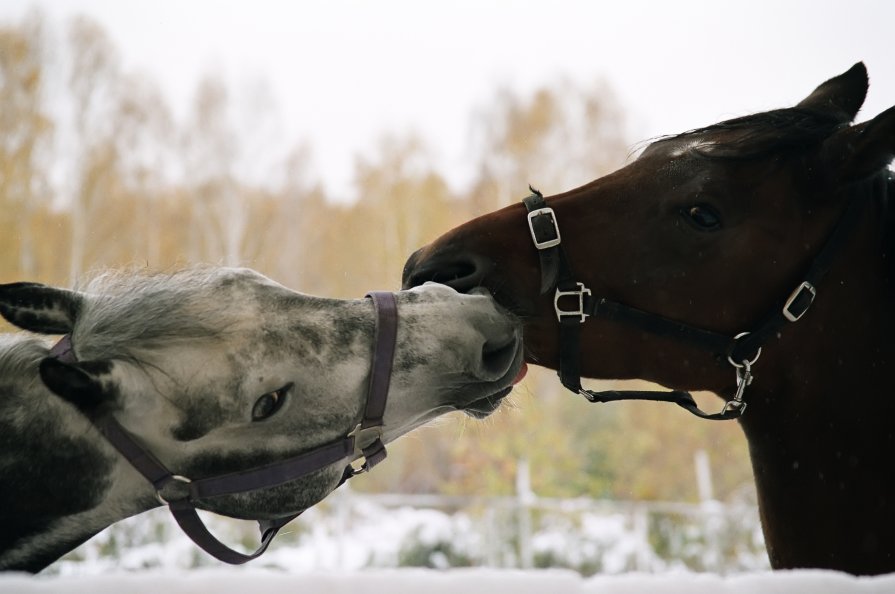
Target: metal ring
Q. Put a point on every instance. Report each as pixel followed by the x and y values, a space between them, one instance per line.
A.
pixel 174 477
pixel 752 362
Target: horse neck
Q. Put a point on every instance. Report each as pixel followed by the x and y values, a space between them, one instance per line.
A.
pixel 62 483
pixel 819 419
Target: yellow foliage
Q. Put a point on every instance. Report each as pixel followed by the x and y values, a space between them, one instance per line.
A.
pixel 121 206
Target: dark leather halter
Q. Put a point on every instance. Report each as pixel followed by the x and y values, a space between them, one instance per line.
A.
pixel 181 494
pixel 741 351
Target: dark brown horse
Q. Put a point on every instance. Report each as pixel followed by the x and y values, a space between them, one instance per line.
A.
pixel 712 233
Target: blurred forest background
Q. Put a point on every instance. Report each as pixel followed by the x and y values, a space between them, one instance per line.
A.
pixel 97 171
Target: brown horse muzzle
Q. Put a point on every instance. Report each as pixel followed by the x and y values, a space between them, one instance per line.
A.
pixel 442 264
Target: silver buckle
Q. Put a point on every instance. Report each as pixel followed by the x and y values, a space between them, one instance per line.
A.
pixel 745 362
pixel 805 286
pixel 174 478
pixel 543 245
pixel 581 292
pixel 365 437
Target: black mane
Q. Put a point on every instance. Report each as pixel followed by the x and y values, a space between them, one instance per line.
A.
pixel 779 131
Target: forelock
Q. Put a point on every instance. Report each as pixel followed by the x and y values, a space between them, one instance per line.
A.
pixel 126 312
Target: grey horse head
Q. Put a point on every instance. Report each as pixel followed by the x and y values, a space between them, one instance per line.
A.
pixel 216 370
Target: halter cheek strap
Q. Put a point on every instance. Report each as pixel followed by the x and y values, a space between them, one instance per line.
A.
pixel 181 494
pixel 369 432
pixel 574 303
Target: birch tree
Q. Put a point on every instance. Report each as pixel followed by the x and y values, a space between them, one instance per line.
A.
pixel 25 135
pixel 145 136
pixel 556 138
pixel 93 83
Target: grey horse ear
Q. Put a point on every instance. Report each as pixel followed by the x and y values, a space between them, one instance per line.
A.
pixel 860 151
pixel 86 385
pixel 40 308
pixel 841 96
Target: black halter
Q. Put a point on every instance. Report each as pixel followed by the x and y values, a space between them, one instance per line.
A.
pixel 741 351
pixel 180 494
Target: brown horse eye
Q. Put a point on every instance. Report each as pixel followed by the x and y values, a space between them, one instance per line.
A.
pixel 269 403
pixel 703 217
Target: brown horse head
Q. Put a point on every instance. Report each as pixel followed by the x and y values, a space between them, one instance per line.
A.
pixel 715 229
pixel 711 227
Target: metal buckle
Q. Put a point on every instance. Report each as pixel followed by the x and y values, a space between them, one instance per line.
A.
pixel 174 477
pixel 366 436
pixel 745 362
pixel 581 292
pixel 787 311
pixel 549 243
pixel 362 434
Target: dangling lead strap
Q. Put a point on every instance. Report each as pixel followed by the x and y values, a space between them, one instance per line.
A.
pixel 181 494
pixel 570 376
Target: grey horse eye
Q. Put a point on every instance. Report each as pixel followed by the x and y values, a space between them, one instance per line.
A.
pixel 269 403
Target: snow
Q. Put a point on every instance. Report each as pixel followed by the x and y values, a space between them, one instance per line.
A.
pixel 467 581
pixel 352 531
pixel 422 544
pixel 355 543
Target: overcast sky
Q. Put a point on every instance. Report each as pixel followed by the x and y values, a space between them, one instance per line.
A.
pixel 343 72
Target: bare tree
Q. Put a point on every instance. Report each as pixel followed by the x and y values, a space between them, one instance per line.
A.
pixel 227 149
pixel 93 82
pixel 405 201
pixel 296 234
pixel 557 138
pixel 145 132
pixel 25 131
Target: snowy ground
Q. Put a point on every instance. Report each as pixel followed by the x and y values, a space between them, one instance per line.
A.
pixel 465 581
pixel 353 544
pixel 353 532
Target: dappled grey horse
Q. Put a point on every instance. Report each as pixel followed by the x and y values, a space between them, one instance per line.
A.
pixel 213 371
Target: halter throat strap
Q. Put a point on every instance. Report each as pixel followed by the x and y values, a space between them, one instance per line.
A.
pixel 574 303
pixel 182 495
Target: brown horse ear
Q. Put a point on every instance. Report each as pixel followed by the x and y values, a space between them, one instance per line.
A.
pixel 857 152
pixel 39 308
pixel 841 96
pixel 87 385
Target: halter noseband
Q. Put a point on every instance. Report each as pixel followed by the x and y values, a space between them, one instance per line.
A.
pixel 741 351
pixel 180 494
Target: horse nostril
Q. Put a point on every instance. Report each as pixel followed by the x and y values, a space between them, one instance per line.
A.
pixel 409 276
pixel 462 274
pixel 498 357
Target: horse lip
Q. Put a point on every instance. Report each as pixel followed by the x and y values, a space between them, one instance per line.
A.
pixel 483 407
pixel 517 305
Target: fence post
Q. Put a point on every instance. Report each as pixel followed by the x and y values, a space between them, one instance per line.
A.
pixel 342 507
pixel 710 512
pixel 524 500
pixel 703 476
pixel 642 556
